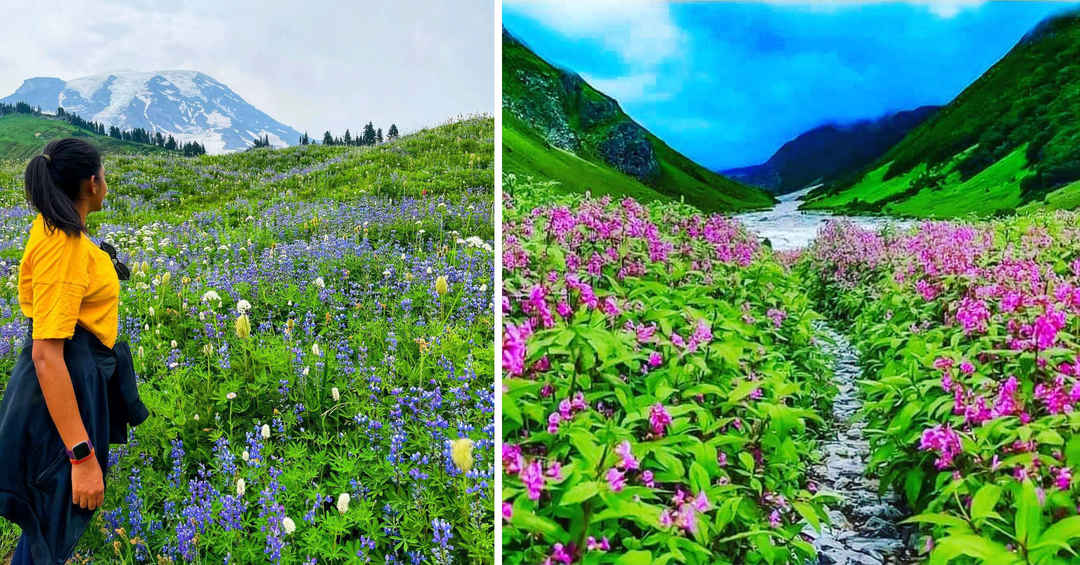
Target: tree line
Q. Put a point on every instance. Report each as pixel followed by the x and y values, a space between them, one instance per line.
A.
pixel 369 135
pixel 135 135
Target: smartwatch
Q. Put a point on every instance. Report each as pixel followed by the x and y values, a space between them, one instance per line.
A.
pixel 80 452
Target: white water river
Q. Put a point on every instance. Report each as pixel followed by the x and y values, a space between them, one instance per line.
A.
pixel 787 228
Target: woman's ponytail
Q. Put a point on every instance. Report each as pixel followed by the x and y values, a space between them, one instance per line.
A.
pixel 52 181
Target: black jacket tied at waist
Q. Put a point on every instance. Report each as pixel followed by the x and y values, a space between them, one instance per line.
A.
pixel 35 475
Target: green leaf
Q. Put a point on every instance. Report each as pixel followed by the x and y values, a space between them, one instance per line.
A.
pixel 808 513
pixel 635 558
pixel 580 493
pixel 699 477
pixel 937 518
pixel 1028 514
pixel 982 505
pixel 988 551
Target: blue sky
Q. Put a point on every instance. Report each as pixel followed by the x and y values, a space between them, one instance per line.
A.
pixel 728 83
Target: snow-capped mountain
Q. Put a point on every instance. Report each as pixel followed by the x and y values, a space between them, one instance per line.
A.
pixel 187 104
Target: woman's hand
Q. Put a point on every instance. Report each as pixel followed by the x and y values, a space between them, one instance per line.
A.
pixel 87 484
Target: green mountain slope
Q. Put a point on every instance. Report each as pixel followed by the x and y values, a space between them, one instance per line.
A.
pixel 24 135
pixel 1011 138
pixel 557 127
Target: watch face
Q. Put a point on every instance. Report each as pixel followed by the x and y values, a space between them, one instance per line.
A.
pixel 81 450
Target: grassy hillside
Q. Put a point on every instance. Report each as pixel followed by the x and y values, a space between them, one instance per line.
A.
pixel 23 136
pixel 558 127
pixel 431 162
pixel 1011 138
pixel 316 321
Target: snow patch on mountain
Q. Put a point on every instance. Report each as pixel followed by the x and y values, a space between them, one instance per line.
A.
pixel 188 105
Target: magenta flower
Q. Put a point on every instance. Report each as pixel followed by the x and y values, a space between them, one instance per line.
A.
pixel 553 423
pixel 533 477
pixel 659 419
pixel 511 457
pixel 513 350
pixel 655 359
pixel 628 461
pixel 774 519
pixel 602 545
pixel 559 555
pixel 507 511
pixel 647 479
pixel 616 479
pixel 554 470
pixel 944 441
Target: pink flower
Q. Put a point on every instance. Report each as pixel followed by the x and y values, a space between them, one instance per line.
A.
pixel 701 502
pixel 774 519
pixel 559 555
pixel 655 359
pixel 1047 326
pixel 647 479
pixel 602 545
pixel 628 461
pixel 533 477
pixel 944 441
pixel 563 308
pixel 507 511
pixel 777 316
pixel 555 470
pixel 659 419
pixel 553 423
pixel 721 459
pixel 616 479
pixel 967 368
pixel 666 518
pixel 513 352
pixel 511 458
pixel 1063 478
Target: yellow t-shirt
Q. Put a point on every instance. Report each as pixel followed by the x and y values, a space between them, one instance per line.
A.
pixel 65 280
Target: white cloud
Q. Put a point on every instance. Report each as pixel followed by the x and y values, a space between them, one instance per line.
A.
pixel 327 65
pixel 940 8
pixel 640 87
pixel 640 32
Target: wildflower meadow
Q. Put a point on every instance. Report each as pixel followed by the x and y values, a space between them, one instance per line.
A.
pixel 661 389
pixel 668 388
pixel 312 329
pixel 970 334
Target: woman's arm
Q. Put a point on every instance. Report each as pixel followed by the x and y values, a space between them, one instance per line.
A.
pixel 87 484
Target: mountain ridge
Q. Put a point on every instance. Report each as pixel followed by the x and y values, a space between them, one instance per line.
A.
pixel 559 127
pixel 830 151
pixel 190 105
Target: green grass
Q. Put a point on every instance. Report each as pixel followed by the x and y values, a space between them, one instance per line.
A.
pixel 1064 198
pixel 995 189
pixel 525 154
pixel 871 188
pixel 23 136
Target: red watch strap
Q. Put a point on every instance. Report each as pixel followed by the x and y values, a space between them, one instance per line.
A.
pixel 84 459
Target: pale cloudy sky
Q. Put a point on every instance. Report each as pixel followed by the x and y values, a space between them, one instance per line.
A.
pixel 313 65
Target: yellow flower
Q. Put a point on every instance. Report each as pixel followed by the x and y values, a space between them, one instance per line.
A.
pixel 441 285
pixel 165 278
pixel 243 326
pixel 461 453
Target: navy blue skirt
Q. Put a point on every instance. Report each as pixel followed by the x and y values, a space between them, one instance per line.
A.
pixel 35 474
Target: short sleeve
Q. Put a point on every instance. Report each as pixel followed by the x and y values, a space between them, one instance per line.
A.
pixel 60 276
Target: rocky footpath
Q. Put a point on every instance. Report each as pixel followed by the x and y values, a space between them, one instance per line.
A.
pixel 863 528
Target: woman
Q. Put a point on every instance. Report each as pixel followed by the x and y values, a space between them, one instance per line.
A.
pixel 56 421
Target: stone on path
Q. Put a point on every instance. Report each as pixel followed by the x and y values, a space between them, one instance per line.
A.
pixel 863 528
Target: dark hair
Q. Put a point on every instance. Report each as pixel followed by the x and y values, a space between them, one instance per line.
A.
pixel 52 181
